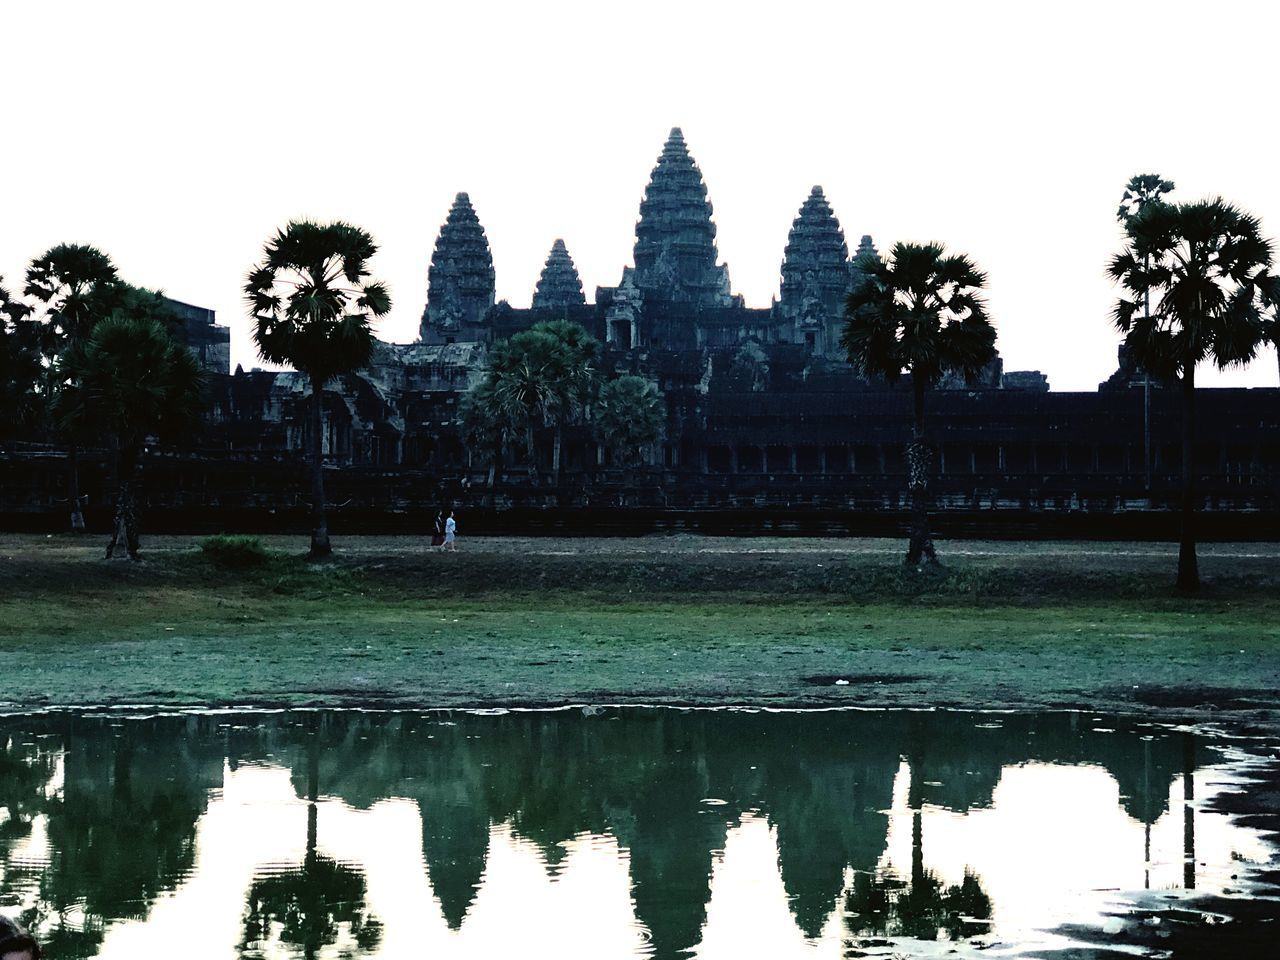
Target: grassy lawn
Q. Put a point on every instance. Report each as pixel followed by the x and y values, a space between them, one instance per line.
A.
pixel 770 621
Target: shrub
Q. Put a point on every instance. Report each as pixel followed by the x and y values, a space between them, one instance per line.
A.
pixel 234 552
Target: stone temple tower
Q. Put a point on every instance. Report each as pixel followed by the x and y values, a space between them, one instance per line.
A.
pixel 815 277
pixel 460 280
pixel 559 285
pixel 675 253
pixel 865 249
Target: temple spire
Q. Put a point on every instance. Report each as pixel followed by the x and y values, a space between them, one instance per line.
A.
pixel 814 264
pixel 460 280
pixel 815 277
pixel 866 248
pixel 675 252
pixel 559 285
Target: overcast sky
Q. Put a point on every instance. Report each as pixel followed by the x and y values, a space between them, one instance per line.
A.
pixel 178 136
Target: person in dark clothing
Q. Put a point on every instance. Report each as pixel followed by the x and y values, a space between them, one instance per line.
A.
pixel 16 943
pixel 437 532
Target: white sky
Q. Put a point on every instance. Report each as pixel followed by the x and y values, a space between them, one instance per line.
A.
pixel 177 137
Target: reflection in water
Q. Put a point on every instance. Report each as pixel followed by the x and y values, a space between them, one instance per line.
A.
pixel 307 906
pixel 628 834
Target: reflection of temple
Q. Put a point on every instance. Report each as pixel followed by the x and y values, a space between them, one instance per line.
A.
pixel 349 815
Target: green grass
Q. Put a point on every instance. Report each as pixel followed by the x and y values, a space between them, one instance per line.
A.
pixel 677 621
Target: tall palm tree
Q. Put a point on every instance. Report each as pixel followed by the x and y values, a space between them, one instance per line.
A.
pixel 77 286
pixel 1140 192
pixel 1205 267
pixel 131 379
pixel 313 305
pixel 920 312
pixel 521 373
pixel 573 382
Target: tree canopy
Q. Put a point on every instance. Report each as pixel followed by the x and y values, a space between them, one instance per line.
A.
pixel 313 307
pixel 1206 268
pixel 919 311
pixel 20 367
pixel 312 301
pixel 629 416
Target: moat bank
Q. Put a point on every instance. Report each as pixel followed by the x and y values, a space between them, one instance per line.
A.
pixel 678 620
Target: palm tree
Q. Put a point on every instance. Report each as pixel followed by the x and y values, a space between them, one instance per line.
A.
pixel 1205 268
pixel 487 426
pixel 20 369
pixel 573 383
pixel 78 286
pixel 629 416
pixel 545 376
pixel 305 906
pixel 521 372
pixel 919 312
pixel 1140 192
pixel 132 380
pixel 313 304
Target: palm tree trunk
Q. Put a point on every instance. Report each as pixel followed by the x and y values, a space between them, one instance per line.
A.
pixel 319 517
pixel 312 942
pixel 533 455
pixel 124 528
pixel 918 464
pixel 1188 811
pixel 558 464
pixel 73 487
pixel 1188 567
pixel 555 456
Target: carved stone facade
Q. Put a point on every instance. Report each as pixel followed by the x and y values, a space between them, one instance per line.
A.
pixel 815 278
pixel 559 286
pixel 460 280
pixel 675 252
pixel 210 343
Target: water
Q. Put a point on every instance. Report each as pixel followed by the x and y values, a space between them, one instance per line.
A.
pixel 600 833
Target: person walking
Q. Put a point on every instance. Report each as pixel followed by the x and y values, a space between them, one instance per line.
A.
pixel 450 533
pixel 437 530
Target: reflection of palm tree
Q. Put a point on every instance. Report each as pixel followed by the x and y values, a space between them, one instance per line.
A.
pixel 922 908
pixel 310 903
pixel 1188 811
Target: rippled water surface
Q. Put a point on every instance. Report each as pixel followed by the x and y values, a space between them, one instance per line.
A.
pixel 598 834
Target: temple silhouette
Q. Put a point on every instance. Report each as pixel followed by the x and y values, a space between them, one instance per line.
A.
pixel 762 409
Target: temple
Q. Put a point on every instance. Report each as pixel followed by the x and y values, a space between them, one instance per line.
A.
pixel 763 408
pixel 816 277
pixel 460 280
pixel 559 286
pixel 675 253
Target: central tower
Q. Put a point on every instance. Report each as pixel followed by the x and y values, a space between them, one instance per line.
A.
pixel 675 252
pixel 460 280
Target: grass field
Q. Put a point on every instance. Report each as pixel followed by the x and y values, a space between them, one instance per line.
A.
pixel 679 619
